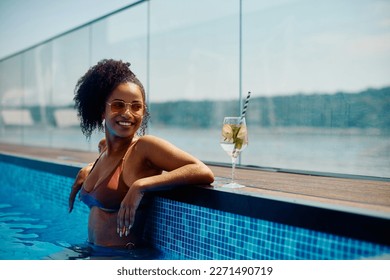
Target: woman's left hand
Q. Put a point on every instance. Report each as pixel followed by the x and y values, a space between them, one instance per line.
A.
pixel 126 213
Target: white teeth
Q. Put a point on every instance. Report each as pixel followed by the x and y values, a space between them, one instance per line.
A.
pixel 125 123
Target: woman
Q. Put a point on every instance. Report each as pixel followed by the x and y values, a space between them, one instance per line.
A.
pixel 110 97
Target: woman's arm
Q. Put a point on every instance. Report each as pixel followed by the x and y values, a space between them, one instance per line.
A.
pixel 180 168
pixel 80 178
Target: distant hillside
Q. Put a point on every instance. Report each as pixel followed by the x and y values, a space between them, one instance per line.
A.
pixel 366 109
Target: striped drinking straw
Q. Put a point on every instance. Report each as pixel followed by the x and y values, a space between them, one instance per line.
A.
pixel 245 106
pixel 242 116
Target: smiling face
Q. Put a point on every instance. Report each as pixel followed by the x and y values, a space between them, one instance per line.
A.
pixel 124 123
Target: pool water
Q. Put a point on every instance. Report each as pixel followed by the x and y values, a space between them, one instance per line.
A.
pixel 32 228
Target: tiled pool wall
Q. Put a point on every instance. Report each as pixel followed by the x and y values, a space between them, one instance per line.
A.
pixel 201 233
pixel 197 232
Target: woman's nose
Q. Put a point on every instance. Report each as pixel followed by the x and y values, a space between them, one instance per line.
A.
pixel 126 111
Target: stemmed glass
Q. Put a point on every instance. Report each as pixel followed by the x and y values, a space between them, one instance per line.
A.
pixel 234 139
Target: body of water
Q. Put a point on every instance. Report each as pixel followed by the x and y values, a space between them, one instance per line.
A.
pixel 356 152
pixel 363 152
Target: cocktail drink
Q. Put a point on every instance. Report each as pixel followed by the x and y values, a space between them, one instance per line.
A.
pixel 233 140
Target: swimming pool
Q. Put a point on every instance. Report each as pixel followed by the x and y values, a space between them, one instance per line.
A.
pixel 34 226
pixel 34 223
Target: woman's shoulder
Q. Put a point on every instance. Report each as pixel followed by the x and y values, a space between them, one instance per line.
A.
pixel 149 141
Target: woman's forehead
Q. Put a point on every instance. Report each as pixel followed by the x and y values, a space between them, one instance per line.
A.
pixel 127 90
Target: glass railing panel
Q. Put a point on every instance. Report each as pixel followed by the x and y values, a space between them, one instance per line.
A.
pixel 194 66
pixel 13 115
pixel 123 36
pixel 71 59
pixel 320 84
pixel 37 81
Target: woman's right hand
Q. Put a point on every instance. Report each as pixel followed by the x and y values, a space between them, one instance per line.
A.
pixel 72 196
pixel 80 178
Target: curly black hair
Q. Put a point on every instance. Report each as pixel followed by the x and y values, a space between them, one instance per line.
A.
pixel 93 89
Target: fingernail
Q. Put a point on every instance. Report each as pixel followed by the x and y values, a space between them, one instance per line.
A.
pixel 127 232
pixel 120 234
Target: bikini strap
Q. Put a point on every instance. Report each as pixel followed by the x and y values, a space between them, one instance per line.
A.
pixel 96 160
pixel 125 155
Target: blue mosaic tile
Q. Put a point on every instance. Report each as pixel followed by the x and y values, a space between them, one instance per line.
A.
pixel 211 234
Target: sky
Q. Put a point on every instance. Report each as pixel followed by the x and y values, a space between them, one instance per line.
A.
pixel 291 55
pixel 24 23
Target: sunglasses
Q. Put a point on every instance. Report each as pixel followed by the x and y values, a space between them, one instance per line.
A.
pixel 119 106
